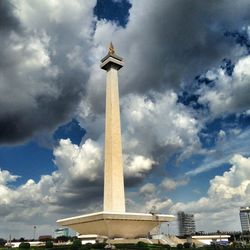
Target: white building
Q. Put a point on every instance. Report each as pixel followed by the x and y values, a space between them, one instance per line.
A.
pixel 32 244
pixel 92 238
pixel 245 218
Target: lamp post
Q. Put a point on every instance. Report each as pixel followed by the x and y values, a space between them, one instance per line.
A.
pixel 34 236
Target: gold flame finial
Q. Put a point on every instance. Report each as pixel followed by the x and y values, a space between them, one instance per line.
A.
pixel 111 49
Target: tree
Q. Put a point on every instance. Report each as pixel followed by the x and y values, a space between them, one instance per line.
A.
pixel 49 244
pixel 87 246
pixel 142 245
pixel 63 238
pixel 76 245
pixel 179 246
pixel 2 242
pixel 187 245
pixel 24 245
pixel 168 247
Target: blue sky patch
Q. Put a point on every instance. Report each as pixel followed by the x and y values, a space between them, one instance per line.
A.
pixel 71 130
pixel 113 10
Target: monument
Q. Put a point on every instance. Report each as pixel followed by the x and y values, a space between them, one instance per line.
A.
pixel 114 221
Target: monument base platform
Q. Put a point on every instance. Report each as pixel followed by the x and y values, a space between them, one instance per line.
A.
pixel 116 225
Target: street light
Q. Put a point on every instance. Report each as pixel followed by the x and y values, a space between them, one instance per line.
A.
pixel 34 232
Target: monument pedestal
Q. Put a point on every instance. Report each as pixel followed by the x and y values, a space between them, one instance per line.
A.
pixel 116 225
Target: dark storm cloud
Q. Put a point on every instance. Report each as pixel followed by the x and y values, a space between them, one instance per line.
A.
pixel 165 43
pixel 46 114
pixel 77 195
pixel 7 19
pixel 39 86
pixel 81 198
pixel 172 41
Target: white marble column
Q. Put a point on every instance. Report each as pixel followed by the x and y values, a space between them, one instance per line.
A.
pixel 114 200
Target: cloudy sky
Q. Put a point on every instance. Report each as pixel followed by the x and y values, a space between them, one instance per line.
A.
pixel 185 109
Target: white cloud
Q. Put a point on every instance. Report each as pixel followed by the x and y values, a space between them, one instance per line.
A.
pixel 221 135
pixel 76 179
pixel 45 58
pixel 35 14
pixel 234 183
pixel 6 177
pixel 33 48
pixel 137 165
pixel 152 130
pixel 230 93
pixel 210 163
pixel 170 184
pixel 159 124
pixel 83 161
pixel 148 188
pixel 161 205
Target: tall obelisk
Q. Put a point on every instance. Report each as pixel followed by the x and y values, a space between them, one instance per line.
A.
pixel 114 200
pixel 113 221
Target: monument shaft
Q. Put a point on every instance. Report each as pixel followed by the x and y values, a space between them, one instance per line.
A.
pixel 114 200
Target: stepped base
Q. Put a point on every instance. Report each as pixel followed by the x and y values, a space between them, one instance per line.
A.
pixel 116 225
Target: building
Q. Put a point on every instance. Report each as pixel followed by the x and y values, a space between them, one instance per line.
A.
pixel 245 218
pixel 186 224
pixel 32 244
pixel 64 231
